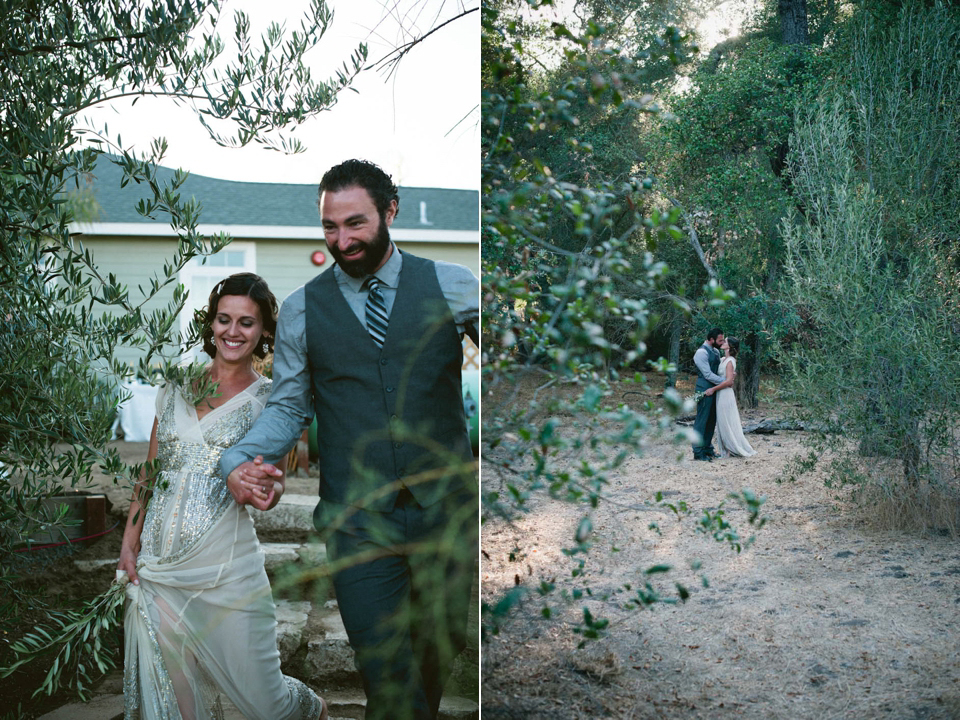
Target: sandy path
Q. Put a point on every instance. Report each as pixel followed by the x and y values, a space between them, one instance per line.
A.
pixel 821 618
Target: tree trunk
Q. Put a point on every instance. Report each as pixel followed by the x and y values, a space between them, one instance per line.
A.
pixel 752 380
pixel 674 353
pixel 793 28
pixel 793 21
pixel 747 383
pixel 912 454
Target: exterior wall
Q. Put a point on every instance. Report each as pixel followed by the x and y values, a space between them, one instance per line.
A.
pixel 460 253
pixel 284 264
pixel 134 262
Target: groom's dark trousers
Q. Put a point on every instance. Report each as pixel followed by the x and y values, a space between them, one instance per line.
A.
pixel 706 420
pixel 405 610
pixel 397 485
pixel 705 424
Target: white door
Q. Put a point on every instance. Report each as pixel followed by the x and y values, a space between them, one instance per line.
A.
pixel 201 274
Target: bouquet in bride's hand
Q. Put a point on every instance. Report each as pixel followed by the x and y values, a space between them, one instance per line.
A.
pixel 690 402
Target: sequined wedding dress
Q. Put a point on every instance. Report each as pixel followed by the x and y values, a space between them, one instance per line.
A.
pixel 729 431
pixel 202 621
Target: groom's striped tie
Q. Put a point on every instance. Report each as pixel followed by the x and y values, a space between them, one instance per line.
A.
pixel 376 311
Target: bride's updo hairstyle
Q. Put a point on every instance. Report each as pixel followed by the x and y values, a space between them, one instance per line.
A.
pixel 734 346
pixel 254 287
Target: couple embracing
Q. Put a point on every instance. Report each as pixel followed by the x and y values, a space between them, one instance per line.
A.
pixel 372 349
pixel 717 405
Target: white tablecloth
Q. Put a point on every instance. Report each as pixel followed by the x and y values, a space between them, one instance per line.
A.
pixel 137 413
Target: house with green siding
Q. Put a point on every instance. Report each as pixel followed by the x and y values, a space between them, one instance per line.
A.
pixel 275 229
pixel 276 233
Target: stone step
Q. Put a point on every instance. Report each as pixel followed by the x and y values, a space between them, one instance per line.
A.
pixel 343 705
pixel 353 703
pixel 94 565
pixel 102 707
pixel 291 620
pixel 277 555
pixel 329 660
pixel 458 708
pixel 110 707
pixel 313 552
pixel 292 512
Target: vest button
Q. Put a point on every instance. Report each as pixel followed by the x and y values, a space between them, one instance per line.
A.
pixel 401 472
pixel 398 445
pixel 389 389
pixel 383 361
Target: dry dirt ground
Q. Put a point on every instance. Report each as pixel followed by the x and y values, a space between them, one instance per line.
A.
pixel 824 616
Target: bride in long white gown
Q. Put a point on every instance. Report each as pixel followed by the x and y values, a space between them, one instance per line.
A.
pixel 200 619
pixel 729 431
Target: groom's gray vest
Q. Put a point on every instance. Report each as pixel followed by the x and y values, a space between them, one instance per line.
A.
pixel 387 417
pixel 702 382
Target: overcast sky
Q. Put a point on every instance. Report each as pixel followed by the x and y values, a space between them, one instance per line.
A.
pixel 420 124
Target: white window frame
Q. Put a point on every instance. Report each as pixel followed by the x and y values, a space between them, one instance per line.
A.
pixel 199 268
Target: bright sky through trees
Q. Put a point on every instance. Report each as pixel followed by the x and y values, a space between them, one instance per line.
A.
pixel 419 122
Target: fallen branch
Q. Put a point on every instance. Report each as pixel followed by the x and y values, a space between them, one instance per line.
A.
pixel 762 427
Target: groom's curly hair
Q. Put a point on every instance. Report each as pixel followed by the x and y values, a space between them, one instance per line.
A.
pixel 734 344
pixel 365 174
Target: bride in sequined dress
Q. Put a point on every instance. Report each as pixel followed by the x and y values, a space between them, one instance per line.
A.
pixel 200 618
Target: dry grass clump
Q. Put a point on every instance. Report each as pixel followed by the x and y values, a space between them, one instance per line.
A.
pixel 875 490
pixel 932 506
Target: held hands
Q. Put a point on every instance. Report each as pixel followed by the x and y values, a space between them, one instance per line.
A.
pixel 254 483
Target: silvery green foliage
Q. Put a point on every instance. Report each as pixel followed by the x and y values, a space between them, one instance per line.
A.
pixel 873 261
pixel 83 643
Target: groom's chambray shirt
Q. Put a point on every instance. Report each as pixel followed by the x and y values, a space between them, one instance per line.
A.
pixel 701 358
pixel 290 408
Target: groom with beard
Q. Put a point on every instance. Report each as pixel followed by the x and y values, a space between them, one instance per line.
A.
pixel 707 361
pixel 372 348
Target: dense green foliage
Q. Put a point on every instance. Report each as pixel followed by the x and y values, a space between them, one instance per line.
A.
pixel 569 280
pixel 622 192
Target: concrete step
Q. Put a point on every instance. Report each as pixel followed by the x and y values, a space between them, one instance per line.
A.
pixel 352 704
pixel 291 620
pixel 341 705
pixel 292 512
pixel 330 659
pixel 277 555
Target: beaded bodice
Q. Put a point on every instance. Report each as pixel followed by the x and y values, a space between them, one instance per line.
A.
pixel 189 495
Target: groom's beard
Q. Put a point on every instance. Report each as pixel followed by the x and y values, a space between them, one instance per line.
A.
pixel 376 249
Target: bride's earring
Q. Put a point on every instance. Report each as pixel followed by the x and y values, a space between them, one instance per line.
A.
pixel 266 347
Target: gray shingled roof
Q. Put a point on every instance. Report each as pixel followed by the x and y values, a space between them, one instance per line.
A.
pixel 227 202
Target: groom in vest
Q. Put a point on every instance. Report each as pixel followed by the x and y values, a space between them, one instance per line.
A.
pixel 372 348
pixel 707 360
